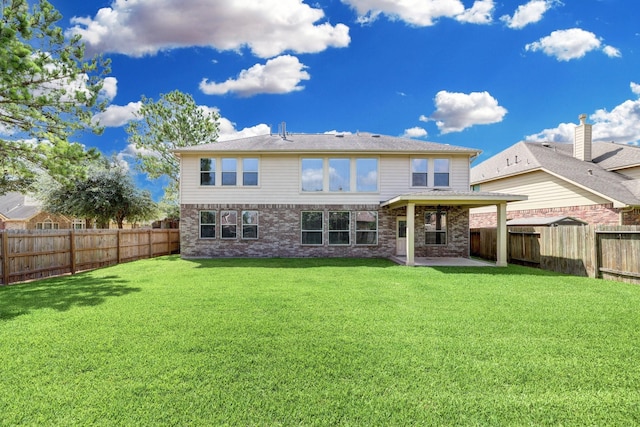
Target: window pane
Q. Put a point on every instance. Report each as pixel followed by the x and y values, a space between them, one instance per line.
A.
pixel 366 237
pixel 419 165
pixel 311 238
pixel 312 220
pixel 229 169
pixel 311 228
pixel 207 224
pixel 207 165
pixel 435 224
pixel 339 228
pixel 250 224
pixel 419 179
pixel 338 221
pixel 229 222
pixel 339 175
pixel 312 175
pixel 367 175
pixel 441 173
pixel 250 171
pixel 207 171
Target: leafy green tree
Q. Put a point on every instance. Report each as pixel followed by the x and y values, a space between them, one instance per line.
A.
pixel 48 92
pixel 174 121
pixel 107 194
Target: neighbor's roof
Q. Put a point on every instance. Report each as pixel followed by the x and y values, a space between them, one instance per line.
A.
pixel 328 143
pixel 546 221
pixel 17 206
pixel 557 159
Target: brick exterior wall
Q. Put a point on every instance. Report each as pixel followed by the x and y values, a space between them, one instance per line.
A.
pixel 279 233
pixel 592 214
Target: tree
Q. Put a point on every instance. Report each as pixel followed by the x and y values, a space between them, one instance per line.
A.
pixel 107 194
pixel 48 92
pixel 174 121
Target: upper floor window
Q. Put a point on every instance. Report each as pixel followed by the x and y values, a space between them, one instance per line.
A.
pixel 366 175
pixel 312 175
pixel 339 175
pixel 441 173
pixel 207 171
pixel 250 171
pixel 419 169
pixel 229 171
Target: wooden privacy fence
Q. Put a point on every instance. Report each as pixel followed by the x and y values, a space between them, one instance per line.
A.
pixel 611 252
pixel 28 254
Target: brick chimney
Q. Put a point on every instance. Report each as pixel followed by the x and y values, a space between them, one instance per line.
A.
pixel 582 140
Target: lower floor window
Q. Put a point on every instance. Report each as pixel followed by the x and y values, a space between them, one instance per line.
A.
pixel 311 227
pixel 229 223
pixel 366 228
pixel 435 225
pixel 207 224
pixel 250 224
pixel 339 228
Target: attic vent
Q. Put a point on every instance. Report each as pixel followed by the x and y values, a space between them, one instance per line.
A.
pixel 375 136
pixel 339 135
pixel 282 130
pixel 546 144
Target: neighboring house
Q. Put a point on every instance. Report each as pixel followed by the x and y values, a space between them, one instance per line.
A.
pixel 21 212
pixel 598 183
pixel 327 195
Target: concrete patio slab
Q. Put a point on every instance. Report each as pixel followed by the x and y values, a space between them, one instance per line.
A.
pixel 444 262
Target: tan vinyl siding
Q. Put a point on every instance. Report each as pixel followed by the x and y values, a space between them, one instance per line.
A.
pixel 544 191
pixel 279 181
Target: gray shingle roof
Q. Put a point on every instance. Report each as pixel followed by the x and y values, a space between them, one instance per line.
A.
pixel 558 159
pixel 17 206
pixel 304 143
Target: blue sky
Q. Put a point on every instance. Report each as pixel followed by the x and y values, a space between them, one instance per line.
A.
pixel 477 73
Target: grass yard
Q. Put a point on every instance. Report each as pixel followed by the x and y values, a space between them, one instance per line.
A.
pixel 318 342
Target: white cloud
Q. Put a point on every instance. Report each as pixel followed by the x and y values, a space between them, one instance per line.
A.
pixel 458 111
pixel 279 75
pixel 570 44
pixel 480 13
pixel 266 27
pixel 414 132
pixel 529 13
pixel 117 115
pixel 611 51
pixel 422 13
pixel 227 130
pixel 621 124
pixel 109 87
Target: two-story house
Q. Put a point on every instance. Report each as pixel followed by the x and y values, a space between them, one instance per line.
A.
pixel 329 195
pixel 595 182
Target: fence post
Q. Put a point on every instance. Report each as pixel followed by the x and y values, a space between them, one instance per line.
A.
pixel 118 252
pixel 72 250
pixel 596 258
pixel 150 243
pixel 5 257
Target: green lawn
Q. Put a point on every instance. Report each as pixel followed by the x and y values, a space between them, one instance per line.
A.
pixel 318 342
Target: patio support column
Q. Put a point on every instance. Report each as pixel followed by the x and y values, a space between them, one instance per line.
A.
pixel 501 243
pixel 411 231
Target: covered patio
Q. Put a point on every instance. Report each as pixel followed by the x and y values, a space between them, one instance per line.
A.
pixel 444 198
